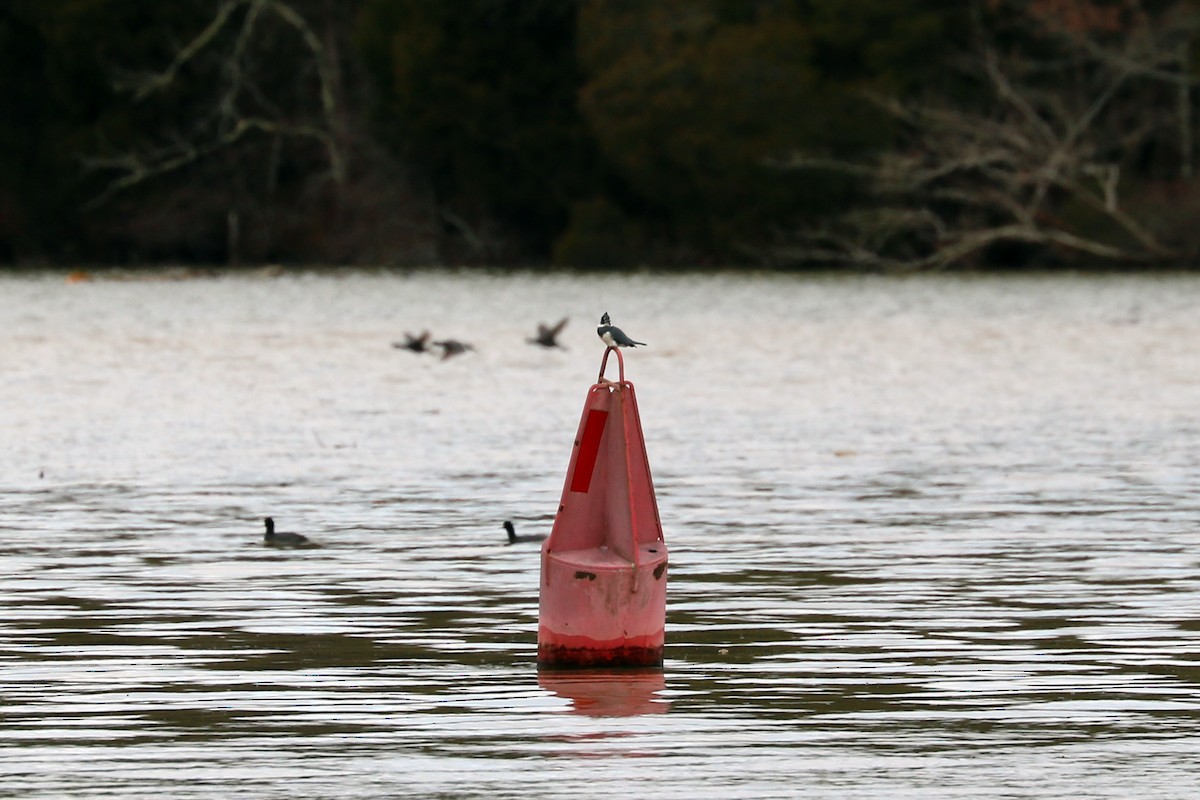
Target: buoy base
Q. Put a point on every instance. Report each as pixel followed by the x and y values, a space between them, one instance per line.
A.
pixel 600 610
pixel 553 655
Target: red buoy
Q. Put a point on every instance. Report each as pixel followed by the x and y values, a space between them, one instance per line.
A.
pixel 603 596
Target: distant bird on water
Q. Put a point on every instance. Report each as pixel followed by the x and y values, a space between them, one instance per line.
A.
pixel 453 347
pixel 417 344
pixel 613 336
pixel 283 539
pixel 547 336
pixel 513 538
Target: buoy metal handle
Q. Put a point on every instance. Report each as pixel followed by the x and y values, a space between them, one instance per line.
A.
pixel 620 364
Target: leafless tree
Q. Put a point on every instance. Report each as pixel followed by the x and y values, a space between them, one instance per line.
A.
pixel 243 104
pixel 1042 161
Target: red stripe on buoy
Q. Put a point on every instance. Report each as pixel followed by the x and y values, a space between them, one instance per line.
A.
pixel 589 448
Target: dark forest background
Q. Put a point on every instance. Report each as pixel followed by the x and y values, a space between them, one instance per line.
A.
pixel 876 134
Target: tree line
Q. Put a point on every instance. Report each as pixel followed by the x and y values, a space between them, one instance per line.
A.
pixel 877 134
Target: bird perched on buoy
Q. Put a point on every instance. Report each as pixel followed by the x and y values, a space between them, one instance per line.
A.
pixel 453 347
pixel 417 344
pixel 283 539
pixel 547 335
pixel 513 538
pixel 613 336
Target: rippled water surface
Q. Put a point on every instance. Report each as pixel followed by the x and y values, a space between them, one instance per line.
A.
pixel 930 538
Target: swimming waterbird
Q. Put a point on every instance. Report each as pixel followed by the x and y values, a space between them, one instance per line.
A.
pixel 513 538
pixel 613 336
pixel 283 539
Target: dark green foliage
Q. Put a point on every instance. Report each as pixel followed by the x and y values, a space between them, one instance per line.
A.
pixel 49 101
pixel 26 169
pixel 599 235
pixel 479 95
pixel 593 132
pixel 698 102
pixel 689 110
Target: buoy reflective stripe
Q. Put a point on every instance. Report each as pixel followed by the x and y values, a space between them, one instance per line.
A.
pixel 589 448
pixel 604 565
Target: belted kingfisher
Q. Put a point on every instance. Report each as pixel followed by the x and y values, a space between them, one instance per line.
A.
pixel 613 336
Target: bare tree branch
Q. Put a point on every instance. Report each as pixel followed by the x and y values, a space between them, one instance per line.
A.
pixel 230 119
pixel 148 85
pixel 1052 136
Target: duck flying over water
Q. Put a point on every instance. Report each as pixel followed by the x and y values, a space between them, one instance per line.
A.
pixel 417 344
pixel 613 336
pixel 283 539
pixel 547 336
pixel 513 538
pixel 453 347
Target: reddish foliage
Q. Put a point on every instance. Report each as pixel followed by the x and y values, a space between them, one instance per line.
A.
pixel 1083 16
pixel 1079 16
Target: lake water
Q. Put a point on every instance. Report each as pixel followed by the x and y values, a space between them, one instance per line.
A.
pixel 931 537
